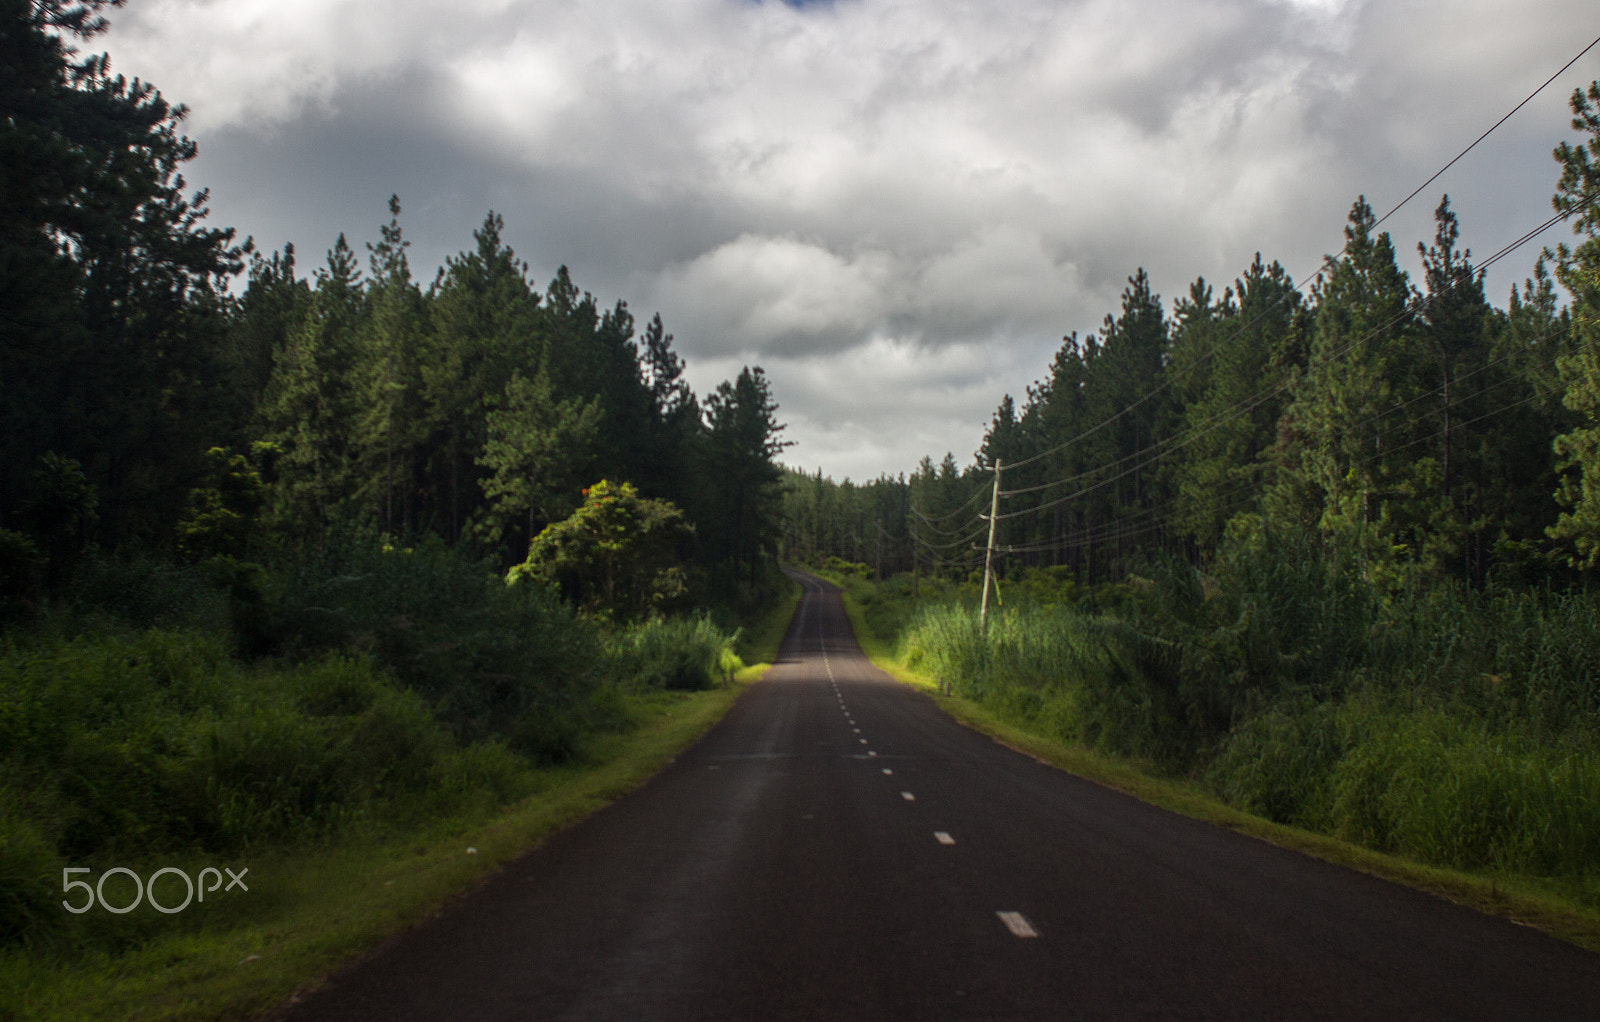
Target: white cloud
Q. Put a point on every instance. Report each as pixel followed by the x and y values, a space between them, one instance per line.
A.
pixel 763 293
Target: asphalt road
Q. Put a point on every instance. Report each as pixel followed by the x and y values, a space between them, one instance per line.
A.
pixel 837 848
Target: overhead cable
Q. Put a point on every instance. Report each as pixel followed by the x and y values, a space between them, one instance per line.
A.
pixel 1327 261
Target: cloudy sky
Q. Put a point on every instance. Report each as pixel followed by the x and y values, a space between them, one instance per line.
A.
pixel 897 207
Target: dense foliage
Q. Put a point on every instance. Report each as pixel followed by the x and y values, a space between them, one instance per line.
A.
pixel 1462 731
pixel 146 403
pixel 410 684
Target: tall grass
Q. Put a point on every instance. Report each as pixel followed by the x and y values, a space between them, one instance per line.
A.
pixel 1458 727
pixel 671 653
pixel 1425 782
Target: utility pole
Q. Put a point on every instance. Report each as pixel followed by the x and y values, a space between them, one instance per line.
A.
pixel 988 557
pixel 916 552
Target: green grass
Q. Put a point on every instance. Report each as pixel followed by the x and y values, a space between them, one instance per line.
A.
pixel 1456 773
pixel 760 638
pixel 1523 899
pixel 349 785
pixel 311 909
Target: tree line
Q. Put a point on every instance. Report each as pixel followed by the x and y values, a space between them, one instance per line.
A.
pixel 1407 419
pixel 146 401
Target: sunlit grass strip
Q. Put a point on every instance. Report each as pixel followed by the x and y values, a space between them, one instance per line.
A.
pixel 322 907
pixel 1518 898
pixel 760 640
pixel 1524 899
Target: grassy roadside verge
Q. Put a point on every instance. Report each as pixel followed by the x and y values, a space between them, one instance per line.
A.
pixel 312 908
pixel 1520 899
pixel 760 638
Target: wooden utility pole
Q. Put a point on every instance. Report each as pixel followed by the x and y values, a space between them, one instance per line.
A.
pixel 916 568
pixel 988 557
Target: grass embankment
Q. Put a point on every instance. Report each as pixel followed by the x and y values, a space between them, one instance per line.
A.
pixel 409 710
pixel 758 640
pixel 310 909
pixel 1446 741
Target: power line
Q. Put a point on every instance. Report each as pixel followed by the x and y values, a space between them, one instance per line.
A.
pixel 1486 134
pixel 1228 497
pixel 1326 262
pixel 971 499
pixel 1161 449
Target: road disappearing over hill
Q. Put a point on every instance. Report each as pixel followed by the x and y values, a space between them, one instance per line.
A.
pixel 837 848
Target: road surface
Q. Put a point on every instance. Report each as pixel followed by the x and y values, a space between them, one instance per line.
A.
pixel 837 848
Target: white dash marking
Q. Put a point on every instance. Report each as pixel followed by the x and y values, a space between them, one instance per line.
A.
pixel 863 741
pixel 888 771
pixel 943 837
pixel 1017 924
pixel 908 796
pixel 871 753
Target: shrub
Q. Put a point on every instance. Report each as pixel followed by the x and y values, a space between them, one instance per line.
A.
pixel 481 653
pixel 21 576
pixel 671 653
pixel 29 872
pixel 145 591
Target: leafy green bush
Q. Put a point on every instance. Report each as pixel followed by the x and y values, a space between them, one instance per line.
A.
pixel 120 747
pixel 484 655
pixel 683 653
pixel 147 591
pixel 21 576
pixel 1277 764
pixel 29 868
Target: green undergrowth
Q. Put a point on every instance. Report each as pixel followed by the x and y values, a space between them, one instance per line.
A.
pixel 1447 740
pixel 311 908
pixel 758 641
pixel 371 711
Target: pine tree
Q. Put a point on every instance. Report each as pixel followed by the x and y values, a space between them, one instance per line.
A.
pixel 1250 344
pixel 485 328
pixel 540 450
pixel 311 406
pixel 391 422
pixel 1353 420
pixel 1578 270
pixel 260 322
pixel 1453 323
pixel 110 287
pixel 741 512
pixel 674 417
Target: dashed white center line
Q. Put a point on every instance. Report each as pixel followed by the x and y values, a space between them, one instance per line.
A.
pixel 871 753
pixel 886 770
pixel 908 796
pixel 1017 924
pixel 863 741
pixel 943 837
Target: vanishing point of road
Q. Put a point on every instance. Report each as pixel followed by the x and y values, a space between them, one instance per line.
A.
pixel 838 848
